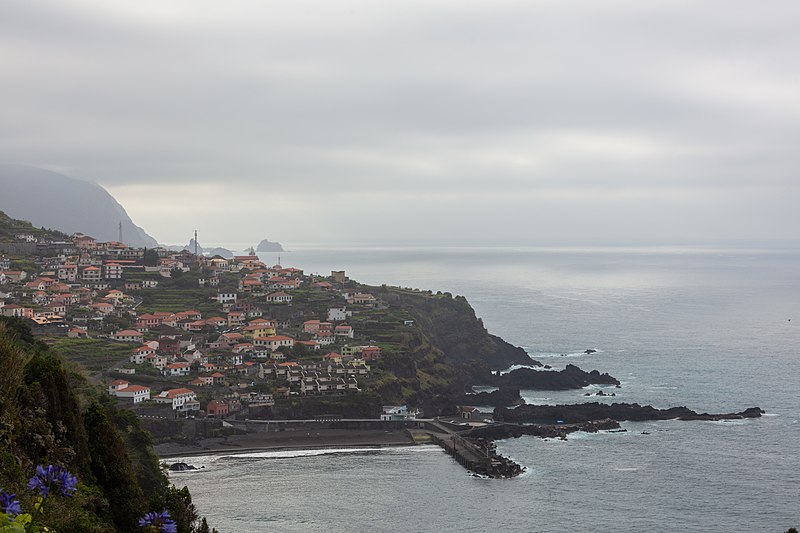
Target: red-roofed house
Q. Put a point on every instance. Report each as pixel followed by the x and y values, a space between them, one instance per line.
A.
pixel 177 369
pixel 279 297
pixel 343 330
pixel 128 335
pixel 274 342
pixel 181 399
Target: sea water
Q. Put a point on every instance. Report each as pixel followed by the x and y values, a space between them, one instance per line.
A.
pixel 707 328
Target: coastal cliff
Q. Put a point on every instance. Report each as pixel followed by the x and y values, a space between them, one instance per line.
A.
pixel 451 325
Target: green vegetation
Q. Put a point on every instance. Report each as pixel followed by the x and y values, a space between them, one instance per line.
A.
pixel 11 227
pixel 50 416
pixel 94 355
pixel 179 299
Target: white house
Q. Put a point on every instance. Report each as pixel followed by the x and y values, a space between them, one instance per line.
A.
pixel 274 342
pixel 122 389
pixel 279 297
pixel 128 335
pixel 180 399
pixel 177 369
pixel 226 297
pixel 337 314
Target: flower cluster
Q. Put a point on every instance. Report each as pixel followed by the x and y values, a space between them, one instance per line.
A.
pixel 54 479
pixel 9 504
pixel 159 522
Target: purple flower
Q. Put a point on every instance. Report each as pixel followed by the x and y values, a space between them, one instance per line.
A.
pixel 9 503
pixel 161 520
pixel 53 478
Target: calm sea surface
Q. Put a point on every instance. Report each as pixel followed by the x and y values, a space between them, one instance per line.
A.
pixel 705 328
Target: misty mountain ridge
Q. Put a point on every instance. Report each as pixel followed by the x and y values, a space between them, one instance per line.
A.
pixel 52 200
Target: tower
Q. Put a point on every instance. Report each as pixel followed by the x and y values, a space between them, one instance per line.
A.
pixel 120 232
pixel 195 242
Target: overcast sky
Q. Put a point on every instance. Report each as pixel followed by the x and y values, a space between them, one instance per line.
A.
pixel 525 122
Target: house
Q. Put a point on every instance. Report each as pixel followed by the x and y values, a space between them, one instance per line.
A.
pixel 103 308
pixel 128 335
pixel 140 354
pixel 115 385
pixel 177 369
pixel 258 330
pixel 236 318
pixel 279 297
pixel 91 274
pixel 181 399
pixel 135 393
pixel 395 412
pixel 112 271
pixel 473 413
pixel 15 275
pixel 84 241
pixel 311 326
pixel 337 314
pixel 149 283
pixel 77 333
pixel 343 330
pixel 274 342
pixel 148 321
pixel 217 409
pixel 68 272
pixel 226 297
pixel 324 338
pixel 5 263
pixel 216 322
pixel 370 353
pixel 339 276
pixel 362 299
pixel 12 310
pixel 170 346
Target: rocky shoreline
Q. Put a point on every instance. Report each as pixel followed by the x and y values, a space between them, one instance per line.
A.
pixel 587 412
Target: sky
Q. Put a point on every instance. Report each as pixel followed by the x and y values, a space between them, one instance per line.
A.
pixel 557 122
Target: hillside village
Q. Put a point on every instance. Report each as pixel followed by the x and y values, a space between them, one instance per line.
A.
pixel 173 334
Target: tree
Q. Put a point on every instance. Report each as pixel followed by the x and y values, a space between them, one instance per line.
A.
pixel 150 257
pixel 111 466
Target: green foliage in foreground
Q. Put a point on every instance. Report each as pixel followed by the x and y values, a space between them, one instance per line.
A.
pixel 45 420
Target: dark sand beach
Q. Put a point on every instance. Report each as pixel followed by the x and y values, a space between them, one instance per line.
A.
pixel 283 440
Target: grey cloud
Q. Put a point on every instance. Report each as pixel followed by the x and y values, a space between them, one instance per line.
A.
pixel 440 97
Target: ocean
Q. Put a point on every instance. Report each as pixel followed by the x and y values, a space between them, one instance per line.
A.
pixel 714 329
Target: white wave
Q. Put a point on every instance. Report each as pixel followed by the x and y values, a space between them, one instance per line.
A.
pixel 516 367
pixel 291 454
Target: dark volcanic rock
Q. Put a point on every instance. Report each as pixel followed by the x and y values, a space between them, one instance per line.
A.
pixel 499 398
pixel 571 377
pixel 269 246
pixel 181 467
pixel 618 411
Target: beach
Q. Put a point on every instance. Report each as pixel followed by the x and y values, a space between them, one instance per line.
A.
pixel 286 440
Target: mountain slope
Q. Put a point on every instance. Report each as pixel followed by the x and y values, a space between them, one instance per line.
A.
pixel 53 200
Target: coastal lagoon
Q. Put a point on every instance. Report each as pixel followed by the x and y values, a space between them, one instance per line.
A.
pixel 714 329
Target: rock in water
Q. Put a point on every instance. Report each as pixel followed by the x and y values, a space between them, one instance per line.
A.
pixel 181 467
pixel 268 246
